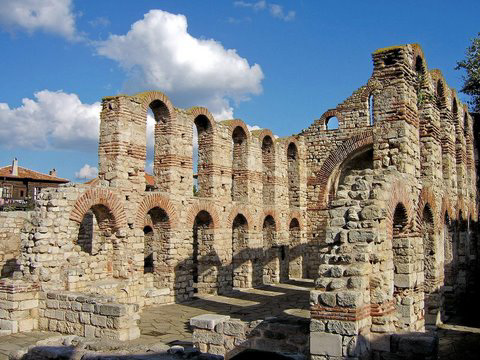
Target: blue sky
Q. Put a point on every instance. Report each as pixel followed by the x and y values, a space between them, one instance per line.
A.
pixel 277 64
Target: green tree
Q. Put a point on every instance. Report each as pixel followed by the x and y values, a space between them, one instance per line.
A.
pixel 471 64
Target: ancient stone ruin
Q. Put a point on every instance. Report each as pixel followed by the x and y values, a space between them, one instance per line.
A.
pixel 380 212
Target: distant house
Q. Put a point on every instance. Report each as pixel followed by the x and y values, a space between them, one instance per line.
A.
pixel 18 184
pixel 149 185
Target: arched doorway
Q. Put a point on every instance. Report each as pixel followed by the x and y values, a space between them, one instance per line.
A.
pixel 241 269
pixel 204 271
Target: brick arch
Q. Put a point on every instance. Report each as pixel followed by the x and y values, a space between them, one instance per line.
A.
pixel 296 215
pixel 266 213
pixel 147 97
pixel 199 110
pixel 461 207
pixel 240 210
pixel 337 157
pixel 427 197
pixel 399 194
pixel 447 207
pixel 156 200
pixel 438 78
pixel 286 141
pixel 327 115
pixel 260 134
pixel 99 196
pixel 232 124
pixel 202 206
pixel 418 51
pixel 369 89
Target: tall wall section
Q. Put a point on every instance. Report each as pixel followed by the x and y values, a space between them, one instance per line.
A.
pixel 396 238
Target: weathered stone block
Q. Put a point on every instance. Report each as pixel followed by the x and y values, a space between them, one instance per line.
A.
pixel 325 344
pixel 207 321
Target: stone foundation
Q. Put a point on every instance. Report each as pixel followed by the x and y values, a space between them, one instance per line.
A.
pixel 220 335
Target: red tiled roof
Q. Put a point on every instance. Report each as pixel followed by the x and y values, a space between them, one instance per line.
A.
pixel 148 180
pixel 23 173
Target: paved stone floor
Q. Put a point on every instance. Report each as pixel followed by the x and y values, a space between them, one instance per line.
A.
pixel 169 323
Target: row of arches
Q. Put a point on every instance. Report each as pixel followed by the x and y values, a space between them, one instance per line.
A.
pixel 203 134
pixel 205 269
pixel 444 248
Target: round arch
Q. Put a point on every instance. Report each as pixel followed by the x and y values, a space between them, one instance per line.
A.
pixel 155 200
pixel 99 196
pixel 336 158
pixel 202 206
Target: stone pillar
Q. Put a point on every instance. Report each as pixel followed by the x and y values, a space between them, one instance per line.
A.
pixel 122 143
pixel 18 306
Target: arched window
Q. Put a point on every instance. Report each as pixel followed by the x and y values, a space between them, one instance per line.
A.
pixel 156 236
pixel 241 270
pixel 202 242
pixel 419 67
pixel 293 175
pixel 268 173
pixel 296 251
pixel 332 123
pixel 148 262
pixel 95 227
pixel 239 164
pixel 273 254
pixel 202 155
pixel 430 258
pixel 157 149
pixel 440 94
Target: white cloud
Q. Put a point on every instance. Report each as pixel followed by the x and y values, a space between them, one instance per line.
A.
pixel 275 10
pixel 254 127
pixel 159 53
pixel 54 16
pixel 53 120
pixel 87 172
pixel 259 5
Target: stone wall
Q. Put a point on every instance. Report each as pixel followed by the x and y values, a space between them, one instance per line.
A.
pixel 11 223
pixel 19 302
pixel 220 335
pixel 88 316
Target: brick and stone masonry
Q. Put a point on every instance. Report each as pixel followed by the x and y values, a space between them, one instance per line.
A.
pixel 381 212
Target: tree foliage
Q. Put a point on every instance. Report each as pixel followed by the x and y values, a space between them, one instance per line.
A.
pixel 471 64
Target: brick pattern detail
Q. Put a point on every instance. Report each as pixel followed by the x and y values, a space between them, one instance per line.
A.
pixel 240 210
pixel 336 157
pixel 400 194
pixel 202 206
pixel 156 200
pixel 427 197
pixel 147 97
pixel 103 197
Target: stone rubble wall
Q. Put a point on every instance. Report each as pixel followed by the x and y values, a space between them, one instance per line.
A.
pixel 88 316
pixel 220 335
pixel 11 223
pixel 388 229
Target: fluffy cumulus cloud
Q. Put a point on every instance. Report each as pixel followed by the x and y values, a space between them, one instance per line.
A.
pixel 53 120
pixel 275 10
pixel 159 53
pixel 87 172
pixel 54 16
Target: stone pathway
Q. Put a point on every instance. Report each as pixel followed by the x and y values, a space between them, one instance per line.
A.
pixel 170 323
pixel 458 342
